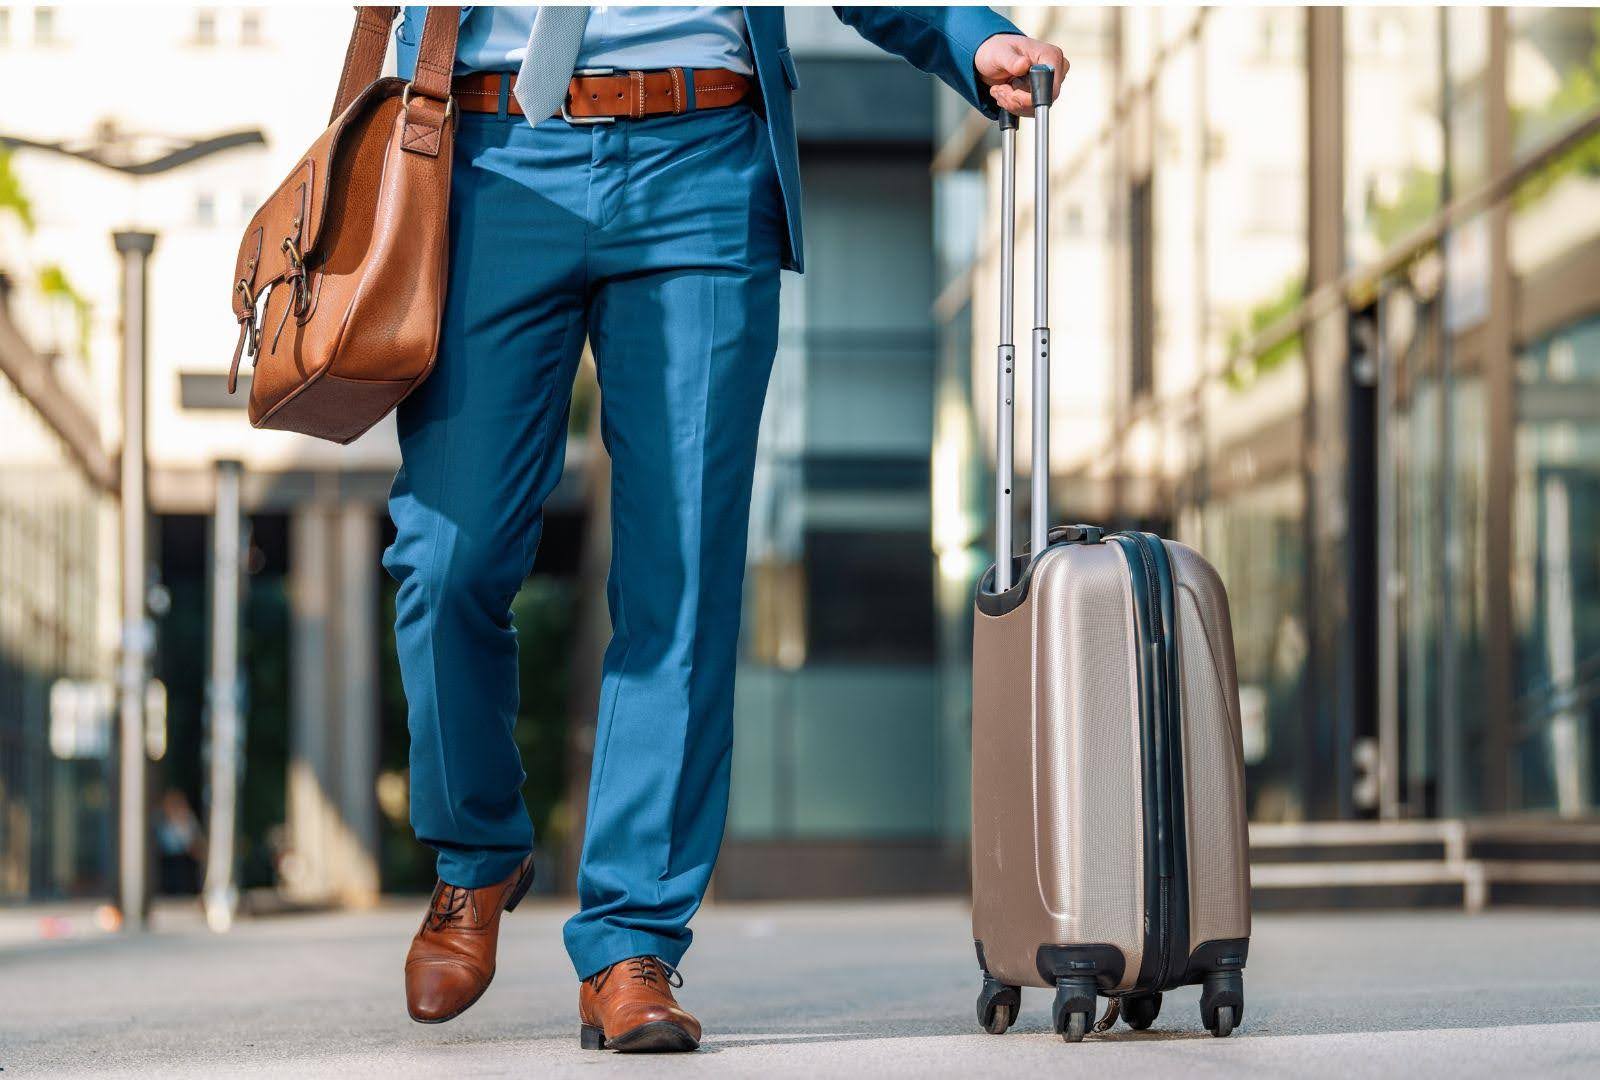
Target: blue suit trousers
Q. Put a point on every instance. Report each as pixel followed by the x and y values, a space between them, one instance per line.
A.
pixel 658 241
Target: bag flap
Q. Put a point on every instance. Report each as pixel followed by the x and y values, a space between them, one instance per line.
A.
pixel 294 212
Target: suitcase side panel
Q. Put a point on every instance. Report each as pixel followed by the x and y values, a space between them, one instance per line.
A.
pixel 1009 916
pixel 1008 911
pixel 1213 765
pixel 1058 832
pixel 1089 767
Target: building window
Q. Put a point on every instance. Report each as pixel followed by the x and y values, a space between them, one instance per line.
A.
pixel 250 26
pixel 5 26
pixel 44 26
pixel 205 26
pixel 205 209
pixel 1141 285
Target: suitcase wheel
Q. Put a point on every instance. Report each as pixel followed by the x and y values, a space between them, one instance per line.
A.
pixel 1222 1002
pixel 998 1005
pixel 1073 1011
pixel 1139 1011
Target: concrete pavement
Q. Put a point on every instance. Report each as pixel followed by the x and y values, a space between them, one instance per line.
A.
pixel 880 990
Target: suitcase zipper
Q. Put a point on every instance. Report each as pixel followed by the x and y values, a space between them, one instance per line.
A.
pixel 1163 766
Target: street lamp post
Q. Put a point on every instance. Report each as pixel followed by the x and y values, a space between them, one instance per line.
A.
pixel 221 891
pixel 133 676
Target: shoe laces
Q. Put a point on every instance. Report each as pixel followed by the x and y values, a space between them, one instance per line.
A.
pixel 448 907
pixel 645 970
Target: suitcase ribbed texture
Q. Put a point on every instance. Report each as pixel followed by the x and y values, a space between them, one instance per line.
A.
pixel 1088 784
pixel 1219 905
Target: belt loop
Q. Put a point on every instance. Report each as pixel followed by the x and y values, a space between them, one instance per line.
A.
pixel 505 80
pixel 687 75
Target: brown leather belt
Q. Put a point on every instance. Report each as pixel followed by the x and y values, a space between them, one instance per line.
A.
pixel 602 97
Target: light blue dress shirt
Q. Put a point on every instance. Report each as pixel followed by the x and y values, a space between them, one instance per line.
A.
pixel 627 38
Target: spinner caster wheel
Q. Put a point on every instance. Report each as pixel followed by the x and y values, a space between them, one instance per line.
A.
pixel 1072 1013
pixel 1222 1002
pixel 998 1005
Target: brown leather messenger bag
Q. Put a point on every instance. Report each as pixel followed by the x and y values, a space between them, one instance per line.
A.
pixel 340 280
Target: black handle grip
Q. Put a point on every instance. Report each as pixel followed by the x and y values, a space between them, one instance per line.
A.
pixel 1041 80
pixel 1008 120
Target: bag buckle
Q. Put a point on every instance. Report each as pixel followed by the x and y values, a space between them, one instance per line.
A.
pixel 585 121
pixel 449 102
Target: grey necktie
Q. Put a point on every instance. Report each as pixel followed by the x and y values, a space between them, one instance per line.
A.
pixel 553 43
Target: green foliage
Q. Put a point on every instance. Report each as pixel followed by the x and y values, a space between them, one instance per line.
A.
pixel 12 197
pixel 1578 94
pixel 55 285
pixel 1265 315
pixel 1417 201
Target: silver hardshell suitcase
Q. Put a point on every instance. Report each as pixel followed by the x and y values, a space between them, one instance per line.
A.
pixel 1109 846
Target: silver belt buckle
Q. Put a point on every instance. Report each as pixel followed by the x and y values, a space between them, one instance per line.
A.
pixel 587 120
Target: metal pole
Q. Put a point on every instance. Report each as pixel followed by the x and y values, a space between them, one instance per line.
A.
pixel 221 891
pixel 1451 802
pixel 133 883
pixel 1389 805
pixel 1005 394
pixel 1042 82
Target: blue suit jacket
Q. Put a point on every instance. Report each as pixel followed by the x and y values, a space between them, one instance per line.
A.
pixel 940 40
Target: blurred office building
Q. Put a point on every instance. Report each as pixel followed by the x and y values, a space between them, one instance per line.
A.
pixel 1326 305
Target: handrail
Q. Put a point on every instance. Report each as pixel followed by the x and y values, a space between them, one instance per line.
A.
pixel 63 413
pixel 1359 283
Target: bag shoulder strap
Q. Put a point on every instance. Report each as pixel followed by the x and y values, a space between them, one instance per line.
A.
pixel 369 44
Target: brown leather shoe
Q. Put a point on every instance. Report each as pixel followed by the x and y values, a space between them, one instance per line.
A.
pixel 451 961
pixel 629 1007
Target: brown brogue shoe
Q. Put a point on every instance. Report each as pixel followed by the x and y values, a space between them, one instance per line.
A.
pixel 451 961
pixel 629 1007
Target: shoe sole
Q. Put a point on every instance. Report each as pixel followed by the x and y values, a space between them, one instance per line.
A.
pixel 657 1037
pixel 518 891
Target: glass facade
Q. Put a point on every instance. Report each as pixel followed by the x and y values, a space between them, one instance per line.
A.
pixel 55 698
pixel 1342 333
pixel 837 747
pixel 1556 571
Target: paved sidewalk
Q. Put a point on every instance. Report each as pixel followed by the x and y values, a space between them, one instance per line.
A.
pixel 878 990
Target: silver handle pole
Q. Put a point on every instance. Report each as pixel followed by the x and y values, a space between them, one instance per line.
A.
pixel 1041 80
pixel 1005 390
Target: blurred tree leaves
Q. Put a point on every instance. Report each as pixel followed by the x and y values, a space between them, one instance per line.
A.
pixel 12 197
pixel 54 284
pixel 1578 95
pixel 1268 313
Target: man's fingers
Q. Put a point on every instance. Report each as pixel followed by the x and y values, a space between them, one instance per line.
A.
pixel 1052 57
pixel 1060 63
pixel 1011 99
pixel 1018 61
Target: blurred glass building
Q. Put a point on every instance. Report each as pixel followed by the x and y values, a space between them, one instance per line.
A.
pixel 55 645
pixel 1326 295
pixel 1328 283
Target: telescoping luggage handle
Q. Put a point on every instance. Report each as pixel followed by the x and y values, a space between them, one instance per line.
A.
pixel 1041 81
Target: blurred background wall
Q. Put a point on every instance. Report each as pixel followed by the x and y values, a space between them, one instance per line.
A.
pixel 1329 287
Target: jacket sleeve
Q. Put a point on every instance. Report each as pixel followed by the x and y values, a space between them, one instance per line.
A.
pixel 939 40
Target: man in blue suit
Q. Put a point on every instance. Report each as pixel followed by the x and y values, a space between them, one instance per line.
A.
pixel 626 176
